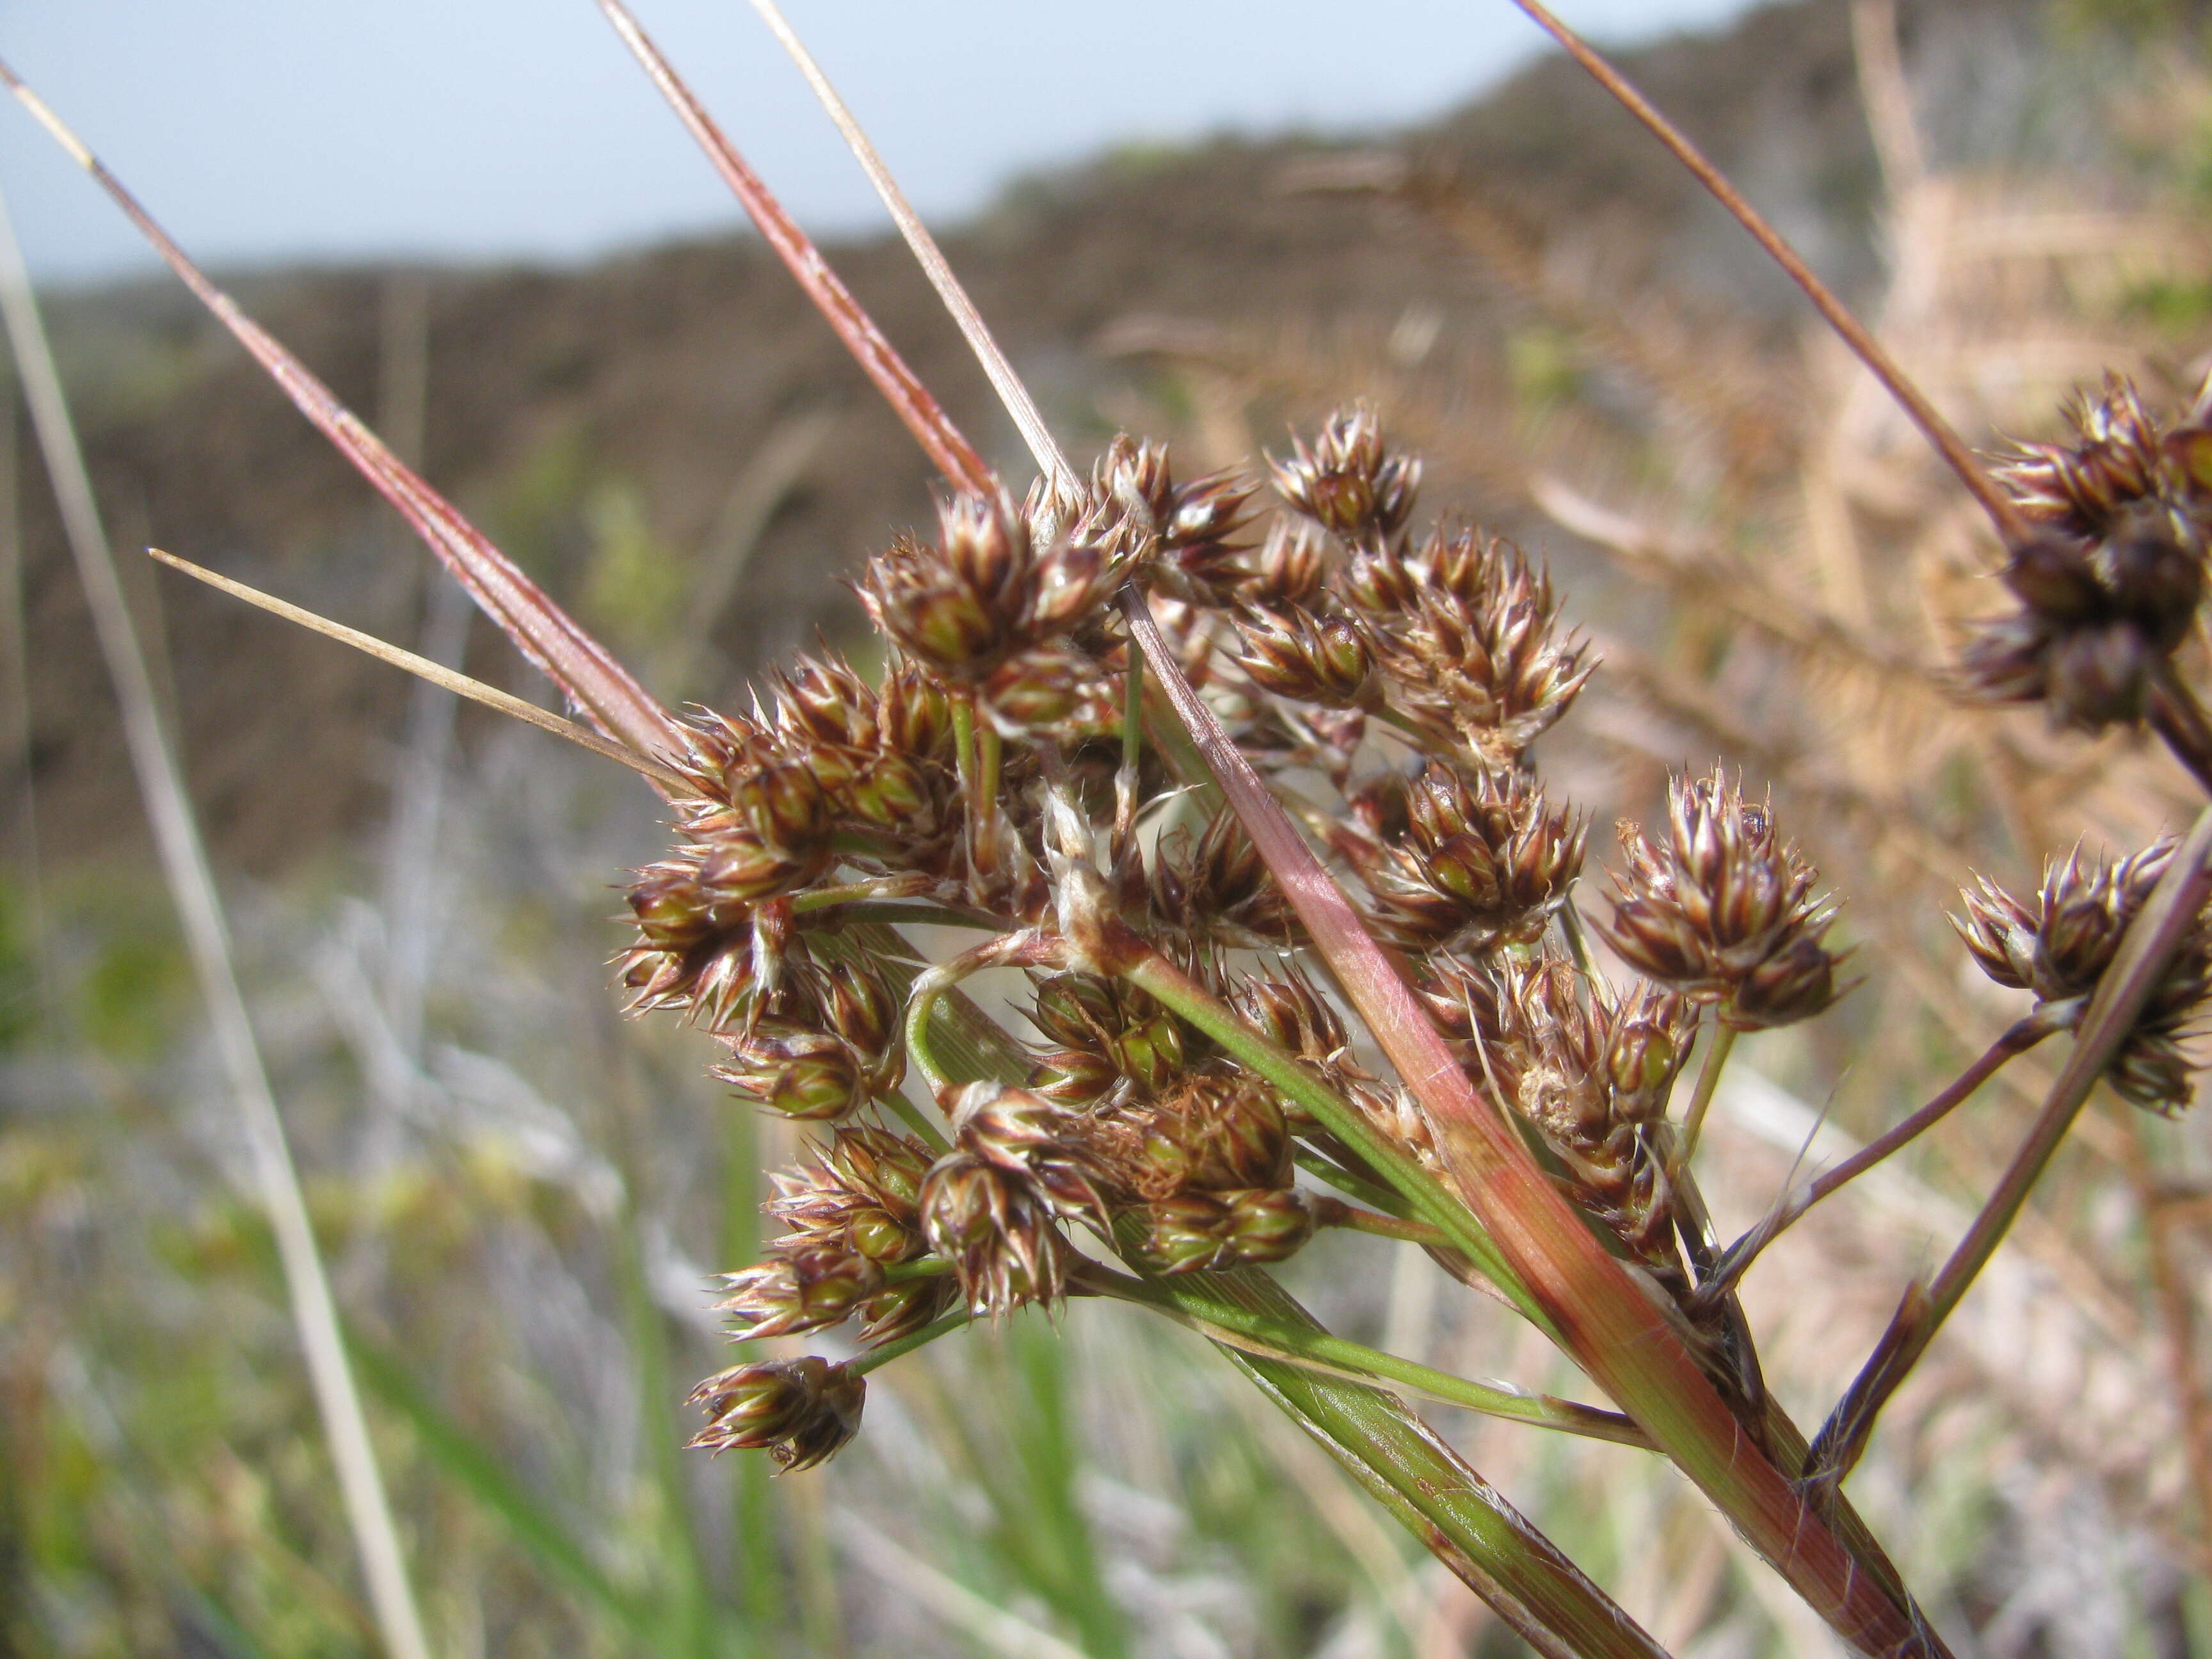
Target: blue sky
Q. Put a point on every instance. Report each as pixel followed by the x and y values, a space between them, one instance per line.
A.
pixel 266 131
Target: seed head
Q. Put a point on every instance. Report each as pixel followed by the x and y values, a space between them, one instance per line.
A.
pixel 914 717
pixel 823 697
pixel 2059 944
pixel 995 1226
pixel 1349 481
pixel 1107 1032
pixel 862 1192
pixel 698 952
pixel 1189 532
pixel 1580 1069
pixel 1031 1135
pixel 901 1310
pixel 1212 1232
pixel 1480 863
pixel 1291 569
pixel 1469 639
pixel 1218 1133
pixel 2096 622
pixel 812 1282
pixel 984 593
pixel 2115 459
pixel 803 1410
pixel 798 1072
pixel 1216 885
pixel 1309 656
pixel 1724 910
pixel 1293 1015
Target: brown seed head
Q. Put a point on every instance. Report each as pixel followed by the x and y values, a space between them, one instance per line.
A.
pixel 2096 622
pixel 2115 460
pixel 996 1228
pixel 1467 633
pixel 1293 1015
pixel 1216 884
pixel 1032 1135
pixel 1724 911
pixel 1106 1029
pixel 794 1070
pixel 984 593
pixel 2059 944
pixel 1218 1133
pixel 863 1191
pixel 1480 864
pixel 812 1282
pixel 804 1410
pixel 1348 480
pixel 1308 655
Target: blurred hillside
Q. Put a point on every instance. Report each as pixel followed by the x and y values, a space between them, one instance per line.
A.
pixel 601 423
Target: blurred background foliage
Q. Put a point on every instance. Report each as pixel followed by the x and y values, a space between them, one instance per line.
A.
pixel 522 1196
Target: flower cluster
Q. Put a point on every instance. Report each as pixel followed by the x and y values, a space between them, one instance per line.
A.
pixel 2109 583
pixel 2059 944
pixel 1724 910
pixel 999 774
pixel 1010 772
pixel 803 1410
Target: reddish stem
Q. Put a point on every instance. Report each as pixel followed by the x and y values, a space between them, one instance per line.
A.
pixel 952 454
pixel 2011 527
pixel 1608 1326
pixel 541 630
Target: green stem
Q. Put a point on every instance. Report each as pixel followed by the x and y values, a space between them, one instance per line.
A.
pixel 905 1273
pixel 1132 713
pixel 910 1115
pixel 882 887
pixel 891 911
pixel 1334 1212
pixel 1255 1332
pixel 861 1364
pixel 930 988
pixel 1374 1197
pixel 1424 1195
pixel 1400 1462
pixel 964 746
pixel 1709 1081
pixel 990 750
pixel 1577 938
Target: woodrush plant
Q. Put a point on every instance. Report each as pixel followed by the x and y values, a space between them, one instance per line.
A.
pixel 1240 779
